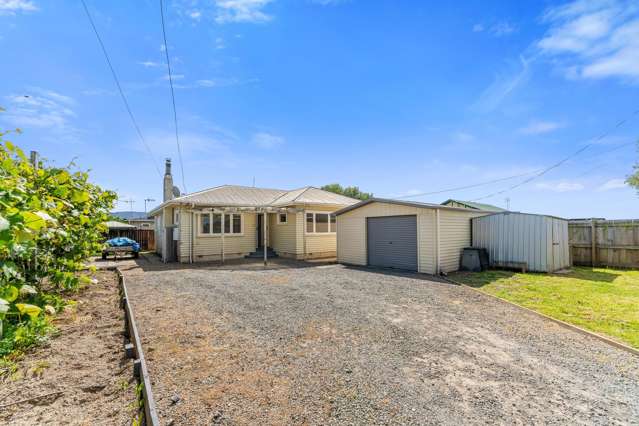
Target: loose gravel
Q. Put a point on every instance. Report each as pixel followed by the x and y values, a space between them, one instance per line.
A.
pixel 339 345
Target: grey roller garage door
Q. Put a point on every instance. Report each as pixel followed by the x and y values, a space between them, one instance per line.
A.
pixel 392 242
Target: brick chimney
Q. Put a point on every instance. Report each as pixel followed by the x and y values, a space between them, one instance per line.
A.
pixel 168 181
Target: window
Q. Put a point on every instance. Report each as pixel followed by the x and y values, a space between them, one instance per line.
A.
pixel 282 218
pixel 333 223
pixel 212 224
pixel 237 224
pixel 217 223
pixel 309 222
pixel 320 223
pixel 205 224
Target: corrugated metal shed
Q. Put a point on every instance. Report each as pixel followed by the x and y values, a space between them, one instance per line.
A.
pixel 540 242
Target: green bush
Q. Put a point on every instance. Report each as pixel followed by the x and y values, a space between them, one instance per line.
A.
pixel 51 221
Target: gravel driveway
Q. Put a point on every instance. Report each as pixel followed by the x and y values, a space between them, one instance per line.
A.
pixel 338 345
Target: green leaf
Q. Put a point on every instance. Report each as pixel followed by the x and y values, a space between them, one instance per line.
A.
pixel 32 220
pixel 10 293
pixel 80 196
pixel 31 310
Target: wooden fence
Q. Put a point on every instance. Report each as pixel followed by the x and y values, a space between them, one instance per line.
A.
pixel 615 243
pixel 145 237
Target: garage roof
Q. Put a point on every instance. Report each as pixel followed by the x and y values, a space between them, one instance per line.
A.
pixel 401 203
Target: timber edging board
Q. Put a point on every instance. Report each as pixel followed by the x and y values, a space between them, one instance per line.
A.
pixel 139 364
pixel 564 324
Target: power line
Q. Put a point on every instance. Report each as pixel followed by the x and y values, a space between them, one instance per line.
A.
pixel 175 120
pixel 117 83
pixel 459 188
pixel 564 160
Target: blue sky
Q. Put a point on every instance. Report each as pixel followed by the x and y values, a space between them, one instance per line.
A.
pixel 397 97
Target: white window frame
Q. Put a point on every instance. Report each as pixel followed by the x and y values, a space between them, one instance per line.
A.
pixel 315 213
pixel 279 217
pixel 219 234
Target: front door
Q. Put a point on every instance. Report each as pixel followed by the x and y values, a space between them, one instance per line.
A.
pixel 260 230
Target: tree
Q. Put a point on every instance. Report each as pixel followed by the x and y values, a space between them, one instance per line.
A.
pixel 51 222
pixel 633 179
pixel 349 191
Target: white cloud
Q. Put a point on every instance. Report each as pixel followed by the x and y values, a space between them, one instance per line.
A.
pixel 267 140
pixel 150 64
pixel 594 39
pixel 250 11
pixel 11 7
pixel 328 2
pixel 223 11
pixel 43 109
pixel 540 127
pixel 562 186
pixel 173 76
pixel 503 86
pixel 612 184
pixel 498 29
pixel 502 29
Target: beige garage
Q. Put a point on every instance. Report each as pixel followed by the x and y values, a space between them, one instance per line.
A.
pixel 380 232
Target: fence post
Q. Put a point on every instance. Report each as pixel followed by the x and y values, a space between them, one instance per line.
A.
pixel 593 242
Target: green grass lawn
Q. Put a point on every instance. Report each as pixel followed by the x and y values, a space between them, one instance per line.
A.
pixel 605 301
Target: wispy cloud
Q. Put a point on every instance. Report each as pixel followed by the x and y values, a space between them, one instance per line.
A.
pixel 150 64
pixel 223 11
pixel 328 2
pixel 42 109
pixel 210 83
pixel 267 140
pixel 594 39
pixel 174 77
pixel 540 127
pixel 503 85
pixel 249 11
pixel 561 186
pixel 11 7
pixel 498 29
pixel 612 184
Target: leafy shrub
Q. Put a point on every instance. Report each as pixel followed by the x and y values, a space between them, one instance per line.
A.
pixel 51 221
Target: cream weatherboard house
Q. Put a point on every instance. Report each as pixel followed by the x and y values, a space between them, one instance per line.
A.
pixel 230 221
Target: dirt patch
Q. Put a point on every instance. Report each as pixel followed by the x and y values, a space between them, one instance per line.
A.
pixel 82 370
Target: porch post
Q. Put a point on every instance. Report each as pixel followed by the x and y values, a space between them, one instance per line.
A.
pixel 264 237
pixel 223 219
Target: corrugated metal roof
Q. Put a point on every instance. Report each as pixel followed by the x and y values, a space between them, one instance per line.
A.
pixel 311 195
pixel 114 224
pixel 246 196
pixel 474 205
pixel 402 203
pixel 232 195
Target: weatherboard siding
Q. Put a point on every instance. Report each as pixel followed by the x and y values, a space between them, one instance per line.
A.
pixel 454 234
pixel 209 247
pixel 283 236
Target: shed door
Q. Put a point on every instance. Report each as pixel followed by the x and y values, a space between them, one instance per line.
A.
pixel 392 242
